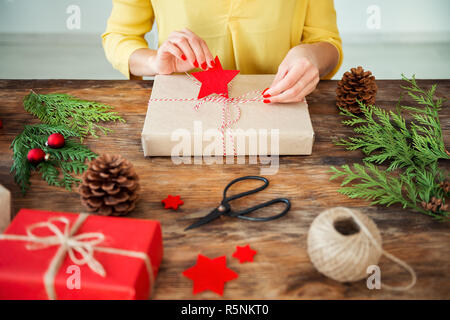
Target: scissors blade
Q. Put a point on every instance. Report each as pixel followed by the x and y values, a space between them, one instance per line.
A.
pixel 206 219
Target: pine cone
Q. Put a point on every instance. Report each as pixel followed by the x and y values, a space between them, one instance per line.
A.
pixel 356 84
pixel 435 205
pixel 110 186
pixel 445 185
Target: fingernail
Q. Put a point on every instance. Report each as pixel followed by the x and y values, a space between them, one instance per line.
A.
pixel 266 101
pixel 183 57
pixel 264 94
pixel 196 64
pixel 212 63
pixel 204 65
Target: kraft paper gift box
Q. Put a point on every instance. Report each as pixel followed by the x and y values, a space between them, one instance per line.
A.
pixel 177 128
pixel 121 256
pixel 5 208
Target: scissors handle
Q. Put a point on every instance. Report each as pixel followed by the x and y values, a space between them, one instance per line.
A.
pixel 246 193
pixel 243 213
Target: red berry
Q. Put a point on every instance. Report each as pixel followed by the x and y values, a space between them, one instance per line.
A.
pixel 56 141
pixel 36 156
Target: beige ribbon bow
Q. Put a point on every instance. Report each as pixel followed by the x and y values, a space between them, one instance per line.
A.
pixel 84 244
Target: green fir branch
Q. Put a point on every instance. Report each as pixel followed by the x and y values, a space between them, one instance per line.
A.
pixel 401 160
pixel 50 172
pixel 63 164
pixel 78 115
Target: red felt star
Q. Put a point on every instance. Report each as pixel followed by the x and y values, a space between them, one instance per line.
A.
pixel 244 254
pixel 210 274
pixel 214 80
pixel 172 202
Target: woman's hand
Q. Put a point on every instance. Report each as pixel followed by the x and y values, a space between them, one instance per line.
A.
pixel 300 71
pixel 297 76
pixel 182 51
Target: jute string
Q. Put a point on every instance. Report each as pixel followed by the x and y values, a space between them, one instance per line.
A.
pixel 344 257
pixel 70 243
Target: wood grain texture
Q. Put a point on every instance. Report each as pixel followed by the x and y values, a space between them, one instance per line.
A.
pixel 282 269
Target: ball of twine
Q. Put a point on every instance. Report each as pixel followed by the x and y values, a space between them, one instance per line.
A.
pixel 342 243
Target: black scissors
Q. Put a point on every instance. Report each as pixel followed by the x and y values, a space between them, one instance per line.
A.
pixel 225 209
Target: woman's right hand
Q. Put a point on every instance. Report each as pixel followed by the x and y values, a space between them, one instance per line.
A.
pixel 181 52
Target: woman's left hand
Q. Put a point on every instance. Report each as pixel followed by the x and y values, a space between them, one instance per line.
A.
pixel 297 76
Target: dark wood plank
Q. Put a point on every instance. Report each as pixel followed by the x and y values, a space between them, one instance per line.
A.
pixel 282 269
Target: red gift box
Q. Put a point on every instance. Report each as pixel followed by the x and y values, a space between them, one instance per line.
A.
pixel 56 255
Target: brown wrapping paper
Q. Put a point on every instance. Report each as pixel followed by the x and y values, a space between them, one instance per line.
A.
pixel 5 208
pixel 177 129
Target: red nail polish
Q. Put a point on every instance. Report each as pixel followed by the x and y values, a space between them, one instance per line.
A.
pixel 196 64
pixel 212 63
pixel 204 66
pixel 262 93
pixel 183 57
pixel 266 95
pixel 266 101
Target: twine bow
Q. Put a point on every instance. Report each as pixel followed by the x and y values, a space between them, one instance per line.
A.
pixel 83 244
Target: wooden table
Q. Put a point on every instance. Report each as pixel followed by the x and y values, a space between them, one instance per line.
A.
pixel 282 269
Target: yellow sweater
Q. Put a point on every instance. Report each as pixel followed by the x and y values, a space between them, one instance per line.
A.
pixel 250 35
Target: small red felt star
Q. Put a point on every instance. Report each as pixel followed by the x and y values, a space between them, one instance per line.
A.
pixel 172 202
pixel 244 254
pixel 214 80
pixel 210 274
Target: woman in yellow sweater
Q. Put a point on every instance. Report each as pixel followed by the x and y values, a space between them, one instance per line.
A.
pixel 297 40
